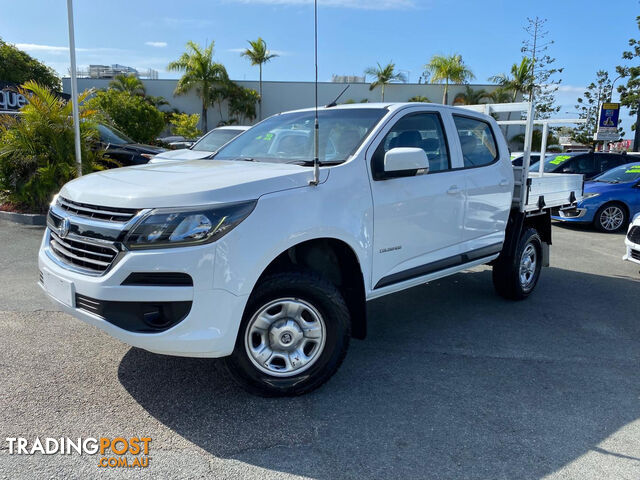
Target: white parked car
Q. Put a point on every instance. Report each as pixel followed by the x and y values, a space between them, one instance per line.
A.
pixel 203 148
pixel 632 241
pixel 261 259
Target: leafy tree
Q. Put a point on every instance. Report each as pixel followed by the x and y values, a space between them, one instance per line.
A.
pixel 470 96
pixel 630 93
pixel 520 81
pixel 242 103
pixel 37 150
pixel 130 113
pixel 448 69
pixel 545 85
pixel 589 105
pixel 19 67
pixel 420 99
pixel 201 74
pixel 185 125
pixel 384 75
pixel 128 83
pixel 258 54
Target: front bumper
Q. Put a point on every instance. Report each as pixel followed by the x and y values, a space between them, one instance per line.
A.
pixel 576 215
pixel 208 330
pixel 633 249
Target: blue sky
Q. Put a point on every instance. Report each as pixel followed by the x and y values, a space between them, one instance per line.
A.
pixel 354 34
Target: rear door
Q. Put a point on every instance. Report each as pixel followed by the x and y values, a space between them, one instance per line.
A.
pixel 418 219
pixel 488 186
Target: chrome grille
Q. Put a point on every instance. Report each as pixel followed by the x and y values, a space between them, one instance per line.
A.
pixel 634 234
pixel 109 214
pixel 79 253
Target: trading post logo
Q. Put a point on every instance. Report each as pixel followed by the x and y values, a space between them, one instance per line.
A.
pixel 118 452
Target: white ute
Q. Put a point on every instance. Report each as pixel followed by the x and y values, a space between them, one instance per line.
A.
pixel 250 257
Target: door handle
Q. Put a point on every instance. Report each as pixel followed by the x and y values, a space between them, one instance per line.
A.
pixel 453 190
pixel 504 182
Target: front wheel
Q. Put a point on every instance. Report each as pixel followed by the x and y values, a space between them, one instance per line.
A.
pixel 515 277
pixel 610 218
pixel 293 336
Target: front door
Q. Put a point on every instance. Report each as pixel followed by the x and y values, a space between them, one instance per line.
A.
pixel 418 218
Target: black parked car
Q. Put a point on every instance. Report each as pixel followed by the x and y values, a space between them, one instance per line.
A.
pixel 588 164
pixel 122 149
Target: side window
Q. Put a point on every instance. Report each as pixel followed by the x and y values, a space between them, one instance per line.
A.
pixel 585 164
pixel 608 162
pixel 419 130
pixel 477 141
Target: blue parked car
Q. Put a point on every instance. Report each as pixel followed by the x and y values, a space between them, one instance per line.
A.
pixel 610 200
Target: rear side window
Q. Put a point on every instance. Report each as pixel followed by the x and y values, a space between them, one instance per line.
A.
pixel 477 141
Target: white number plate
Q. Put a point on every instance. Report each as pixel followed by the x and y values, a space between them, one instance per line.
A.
pixel 58 288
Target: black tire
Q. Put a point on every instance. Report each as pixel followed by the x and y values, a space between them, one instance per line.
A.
pixel 327 301
pixel 600 219
pixel 506 271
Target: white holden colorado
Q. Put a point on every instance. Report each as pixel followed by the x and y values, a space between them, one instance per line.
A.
pixel 245 256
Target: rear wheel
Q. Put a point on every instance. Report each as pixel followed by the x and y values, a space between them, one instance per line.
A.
pixel 515 277
pixel 293 337
pixel 610 218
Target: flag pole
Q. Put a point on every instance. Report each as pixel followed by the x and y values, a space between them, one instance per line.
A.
pixel 74 88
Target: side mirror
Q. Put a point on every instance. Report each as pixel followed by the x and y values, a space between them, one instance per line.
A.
pixel 406 159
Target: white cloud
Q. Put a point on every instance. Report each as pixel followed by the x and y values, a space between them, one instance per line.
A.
pixel 35 47
pixel 156 44
pixel 359 4
pixel 60 50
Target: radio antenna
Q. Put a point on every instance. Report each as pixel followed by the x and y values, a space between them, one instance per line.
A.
pixel 316 126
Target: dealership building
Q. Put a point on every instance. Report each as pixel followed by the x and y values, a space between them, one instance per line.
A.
pixel 282 96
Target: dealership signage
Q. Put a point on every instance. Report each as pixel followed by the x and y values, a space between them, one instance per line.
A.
pixel 10 97
pixel 608 122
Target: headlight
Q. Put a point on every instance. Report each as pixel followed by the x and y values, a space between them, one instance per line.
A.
pixel 587 196
pixel 171 227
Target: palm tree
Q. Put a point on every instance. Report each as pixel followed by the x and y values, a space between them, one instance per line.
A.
pixel 448 69
pixel 520 81
pixel 384 75
pixel 201 74
pixel 37 154
pixel 499 95
pixel 259 55
pixel 128 83
pixel 471 96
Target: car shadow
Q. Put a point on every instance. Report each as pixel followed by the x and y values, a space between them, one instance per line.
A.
pixel 452 382
pixel 585 227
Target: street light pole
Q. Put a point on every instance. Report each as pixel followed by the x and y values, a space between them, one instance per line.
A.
pixel 74 88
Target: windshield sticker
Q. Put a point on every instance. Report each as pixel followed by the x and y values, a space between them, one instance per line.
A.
pixel 560 159
pixel 267 137
pixel 633 169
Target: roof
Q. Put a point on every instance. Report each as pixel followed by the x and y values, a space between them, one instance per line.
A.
pixel 233 127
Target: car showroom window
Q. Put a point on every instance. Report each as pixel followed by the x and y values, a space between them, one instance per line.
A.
pixel 477 141
pixel 417 130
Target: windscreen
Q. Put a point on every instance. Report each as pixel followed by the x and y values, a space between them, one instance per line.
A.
pixel 113 136
pixel 288 138
pixel 213 140
pixel 551 163
pixel 622 174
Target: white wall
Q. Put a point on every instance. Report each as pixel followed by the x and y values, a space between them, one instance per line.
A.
pixel 283 96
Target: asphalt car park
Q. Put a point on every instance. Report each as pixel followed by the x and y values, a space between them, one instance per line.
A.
pixel 452 382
